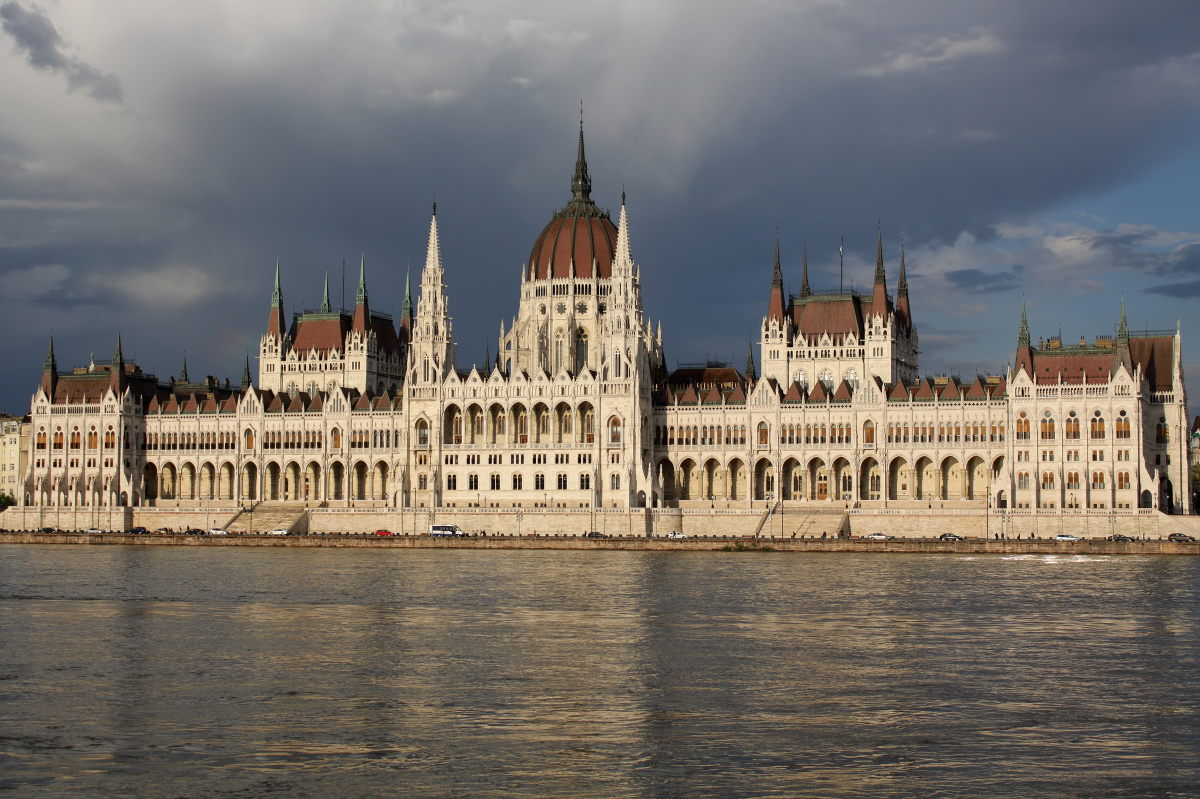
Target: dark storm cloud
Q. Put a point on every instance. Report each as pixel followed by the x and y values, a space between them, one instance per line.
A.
pixel 253 140
pixel 36 36
pixel 977 281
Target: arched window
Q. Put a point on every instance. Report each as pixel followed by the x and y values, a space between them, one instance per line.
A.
pixel 1123 480
pixel 75 438
pixel 1023 480
pixel 1071 427
pixel 456 429
pixel 1098 480
pixel 58 438
pixel 614 431
pixel 1047 480
pixel 422 433
pixel 1022 428
pixel 110 438
pixel 1048 427
pixel 335 437
pixel 249 435
pixel 94 440
pixel 1098 426
pixel 1122 426
pixel 451 482
pixel 764 433
pixel 522 427
pixel 581 351
pixel 516 482
pixel 614 482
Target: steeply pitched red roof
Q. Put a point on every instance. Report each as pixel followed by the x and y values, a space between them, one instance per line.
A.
pixel 1156 356
pixel 834 314
pixel 843 392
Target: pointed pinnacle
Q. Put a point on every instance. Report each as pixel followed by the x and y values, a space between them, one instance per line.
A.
pixel 325 301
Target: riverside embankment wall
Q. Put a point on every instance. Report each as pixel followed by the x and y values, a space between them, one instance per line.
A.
pixel 565 542
pixel 925 523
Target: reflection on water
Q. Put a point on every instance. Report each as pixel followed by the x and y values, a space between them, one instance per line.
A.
pixel 160 672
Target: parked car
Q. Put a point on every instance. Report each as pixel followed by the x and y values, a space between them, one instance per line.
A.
pixel 138 531
pixel 951 537
pixel 1066 537
pixel 193 531
pixel 383 532
pixel 880 537
pixel 50 530
pixel 94 531
pixel 217 531
pixel 1119 537
pixel 598 534
pixel 677 534
pixel 1181 538
pixel 278 531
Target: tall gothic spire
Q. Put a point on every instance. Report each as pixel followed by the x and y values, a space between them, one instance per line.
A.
pixel 904 311
pixel 805 290
pixel 775 309
pixel 325 301
pixel 276 325
pixel 50 371
pixel 750 375
pixel 116 379
pixel 581 182
pixel 246 373
pixel 277 294
pixel 183 375
pixel 879 298
pixel 880 275
pixel 361 297
pixel 1023 333
pixel 624 259
pixel 362 311
pixel 1123 326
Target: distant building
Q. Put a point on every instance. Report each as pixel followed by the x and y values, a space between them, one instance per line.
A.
pixel 14 453
pixel 578 408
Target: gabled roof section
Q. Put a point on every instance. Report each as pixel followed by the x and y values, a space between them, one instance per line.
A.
pixel 836 314
pixel 818 393
pixel 899 391
pixel 713 397
pixel 737 396
pixel 843 392
pixel 1156 357
pixel 794 393
pixel 277 403
pixel 689 397
pixel 924 391
pixel 977 391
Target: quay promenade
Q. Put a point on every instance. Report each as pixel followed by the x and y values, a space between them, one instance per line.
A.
pixel 626 543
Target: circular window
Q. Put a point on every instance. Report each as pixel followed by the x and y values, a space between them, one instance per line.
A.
pixel 1097 414
pixel 560 308
pixel 1122 413
pixel 1047 414
pixel 1022 414
pixel 1071 414
pixel 581 307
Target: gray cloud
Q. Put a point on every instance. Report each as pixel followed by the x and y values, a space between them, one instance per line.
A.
pixel 331 134
pixel 36 36
pixel 977 281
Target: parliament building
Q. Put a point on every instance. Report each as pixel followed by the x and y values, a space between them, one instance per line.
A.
pixel 579 409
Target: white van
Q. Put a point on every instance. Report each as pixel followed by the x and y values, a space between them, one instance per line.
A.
pixel 445 531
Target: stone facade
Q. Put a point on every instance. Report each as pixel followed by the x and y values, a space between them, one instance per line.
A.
pixel 578 412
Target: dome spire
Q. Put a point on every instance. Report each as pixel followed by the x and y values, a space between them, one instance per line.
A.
pixel 325 301
pixel 581 183
pixel 1023 333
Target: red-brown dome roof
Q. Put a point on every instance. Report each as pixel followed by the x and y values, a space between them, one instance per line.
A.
pixel 580 232
pixel 574 236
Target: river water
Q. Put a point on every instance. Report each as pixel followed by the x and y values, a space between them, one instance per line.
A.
pixel 240 672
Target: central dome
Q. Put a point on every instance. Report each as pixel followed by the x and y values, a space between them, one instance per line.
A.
pixel 579 234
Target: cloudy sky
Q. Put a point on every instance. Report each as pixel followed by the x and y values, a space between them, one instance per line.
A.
pixel 156 158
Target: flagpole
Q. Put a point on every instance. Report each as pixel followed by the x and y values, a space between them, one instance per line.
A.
pixel 841 264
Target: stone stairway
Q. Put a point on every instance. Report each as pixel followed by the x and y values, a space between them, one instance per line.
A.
pixel 269 516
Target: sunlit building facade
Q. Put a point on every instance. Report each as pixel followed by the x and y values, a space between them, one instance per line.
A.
pixel 578 409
